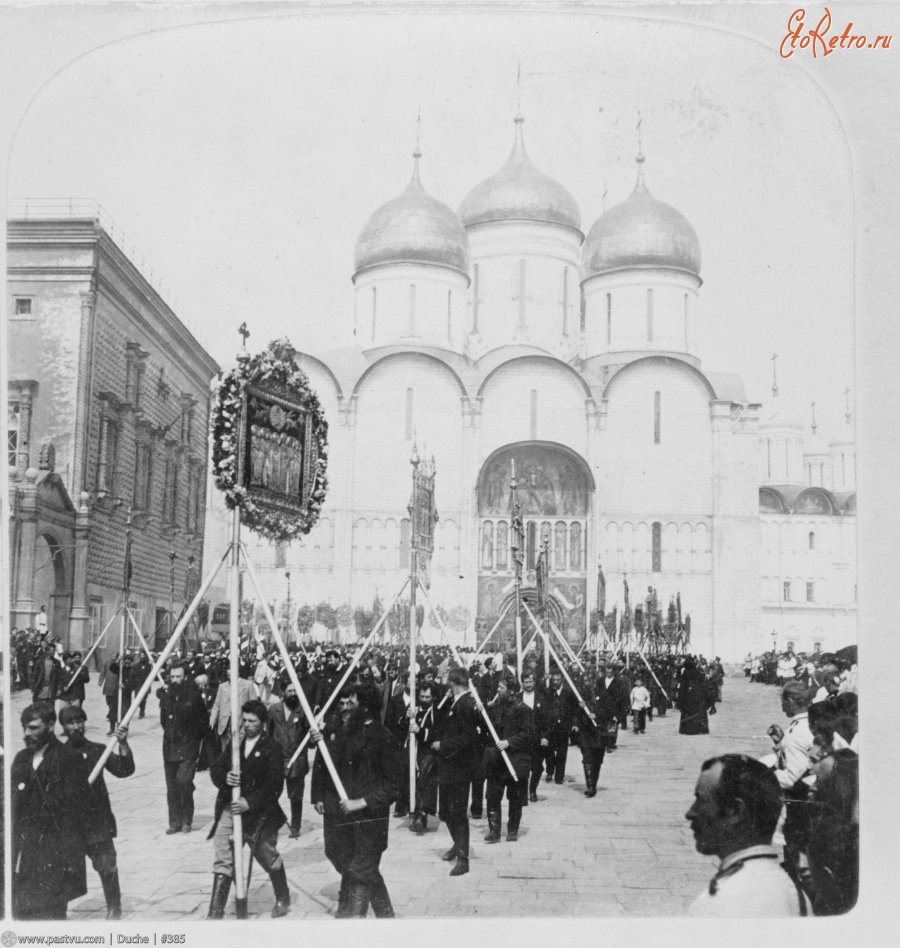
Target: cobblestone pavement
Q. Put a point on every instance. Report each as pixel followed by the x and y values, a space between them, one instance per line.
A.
pixel 627 852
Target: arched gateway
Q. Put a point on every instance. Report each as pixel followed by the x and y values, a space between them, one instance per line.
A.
pixel 555 492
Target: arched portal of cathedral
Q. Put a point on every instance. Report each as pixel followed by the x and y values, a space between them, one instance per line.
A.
pixel 555 489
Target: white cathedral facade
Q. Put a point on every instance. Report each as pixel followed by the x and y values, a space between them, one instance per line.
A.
pixel 502 332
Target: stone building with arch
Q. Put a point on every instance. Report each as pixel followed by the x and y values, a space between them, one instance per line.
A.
pixel 504 331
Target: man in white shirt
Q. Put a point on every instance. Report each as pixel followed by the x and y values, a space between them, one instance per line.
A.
pixel 736 807
pixel 792 747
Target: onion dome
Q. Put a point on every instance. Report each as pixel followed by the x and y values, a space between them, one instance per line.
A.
pixel 413 228
pixel 641 232
pixel 519 192
pixel 777 414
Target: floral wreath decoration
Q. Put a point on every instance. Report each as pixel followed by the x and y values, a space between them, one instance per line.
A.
pixel 276 364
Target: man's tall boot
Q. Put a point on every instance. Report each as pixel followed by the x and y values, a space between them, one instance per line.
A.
pixel 381 901
pixel 282 892
pixel 343 906
pixel 358 900
pixel 113 895
pixel 588 787
pixel 219 899
pixel 533 785
pixel 452 852
pixel 296 817
pixel 515 818
pixel 595 774
pixel 495 820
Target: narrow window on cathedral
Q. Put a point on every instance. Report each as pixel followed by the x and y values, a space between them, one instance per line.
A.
pixel 487 545
pixel 565 302
pixel 449 314
pixel 476 289
pixel 534 400
pixel 812 540
pixel 609 319
pixel 412 309
pixel 530 545
pixel 374 308
pixel 768 458
pixel 280 559
pixel 810 592
pixel 409 414
pixel 787 591
pixel 521 295
pixel 843 471
pixel 649 315
pixel 657 424
pixel 787 460
pixel 582 311
pixel 657 547
pixel 687 336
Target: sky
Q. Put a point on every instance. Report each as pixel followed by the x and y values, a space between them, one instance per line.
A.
pixel 242 160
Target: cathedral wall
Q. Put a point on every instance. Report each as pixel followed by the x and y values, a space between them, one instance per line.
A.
pixel 642 309
pixel 669 478
pixel 533 400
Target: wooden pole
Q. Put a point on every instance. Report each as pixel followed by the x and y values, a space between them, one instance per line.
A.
pixel 160 662
pixel 320 717
pixel 91 651
pixel 413 585
pixel 121 687
pixel 292 674
pixel 143 643
pixel 566 647
pixel 503 613
pixel 240 883
pixel 472 691
pixel 517 567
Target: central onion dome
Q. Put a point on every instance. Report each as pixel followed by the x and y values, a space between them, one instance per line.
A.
pixel 413 228
pixel 519 192
pixel 641 232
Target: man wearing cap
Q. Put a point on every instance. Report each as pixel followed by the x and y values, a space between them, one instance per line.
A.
pixel 331 675
pixel 98 822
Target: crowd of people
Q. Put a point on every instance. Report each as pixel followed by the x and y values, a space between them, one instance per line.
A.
pixel 482 737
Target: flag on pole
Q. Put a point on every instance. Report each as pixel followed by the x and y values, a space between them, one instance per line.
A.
pixel 542 574
pixel 423 517
pixel 601 591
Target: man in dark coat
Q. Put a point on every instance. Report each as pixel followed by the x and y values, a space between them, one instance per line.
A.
pixel 329 679
pixel 540 737
pixel 560 708
pixel 49 794
pixel 593 729
pixel 288 726
pixel 45 676
pixel 74 693
pixel 488 682
pixel 99 824
pixel 260 779
pixel 426 777
pixel 457 749
pixel 396 720
pixel 366 758
pixel 515 729
pixel 185 722
pixel 693 699
pixel 612 695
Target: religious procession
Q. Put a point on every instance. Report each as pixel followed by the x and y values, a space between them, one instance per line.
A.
pixel 357 750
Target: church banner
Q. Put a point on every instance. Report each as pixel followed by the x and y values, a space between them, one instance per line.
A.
pixel 423 517
pixel 280 451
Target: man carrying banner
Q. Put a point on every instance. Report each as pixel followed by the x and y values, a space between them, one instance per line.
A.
pixel 513 724
pixel 456 748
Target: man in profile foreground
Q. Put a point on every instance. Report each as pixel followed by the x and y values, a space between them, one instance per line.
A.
pixel 736 807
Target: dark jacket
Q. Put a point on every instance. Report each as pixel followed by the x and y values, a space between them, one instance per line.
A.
pixel 40 679
pixel 457 731
pixel 487 685
pixel 603 704
pixel 513 722
pixel 368 765
pixel 48 845
pixel 262 780
pixel 560 709
pixel 540 717
pixel 184 720
pixel 76 691
pixel 98 820
pixel 397 720
pixel 288 728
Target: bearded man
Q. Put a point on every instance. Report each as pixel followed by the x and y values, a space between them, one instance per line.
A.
pixel 513 723
pixel 288 726
pixel 49 798
pixel 99 824
pixel 367 760
pixel 185 722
